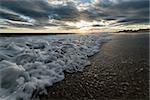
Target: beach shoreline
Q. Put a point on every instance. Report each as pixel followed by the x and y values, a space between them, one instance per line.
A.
pixel 120 71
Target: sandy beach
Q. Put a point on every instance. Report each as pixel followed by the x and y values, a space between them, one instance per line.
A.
pixel 119 71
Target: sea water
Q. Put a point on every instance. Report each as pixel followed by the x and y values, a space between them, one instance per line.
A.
pixel 33 63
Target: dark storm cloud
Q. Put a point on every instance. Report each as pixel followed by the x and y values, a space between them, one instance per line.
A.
pixel 97 25
pixel 39 10
pixel 134 20
pixel 135 8
pixel 132 11
pixel 3 27
pixel 38 13
pixel 67 12
pixel 92 14
pixel 33 8
pixel 10 16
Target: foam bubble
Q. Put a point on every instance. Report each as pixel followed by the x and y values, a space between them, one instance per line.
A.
pixel 32 63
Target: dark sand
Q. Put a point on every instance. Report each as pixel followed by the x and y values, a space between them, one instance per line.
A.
pixel 120 71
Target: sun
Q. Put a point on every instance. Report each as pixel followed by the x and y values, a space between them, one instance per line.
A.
pixel 80 24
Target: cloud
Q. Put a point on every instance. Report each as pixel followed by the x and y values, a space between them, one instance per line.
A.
pixel 67 12
pixel 41 13
pixel 39 10
pixel 129 10
pixel 36 9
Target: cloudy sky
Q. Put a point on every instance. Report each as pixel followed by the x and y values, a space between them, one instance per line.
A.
pixel 72 15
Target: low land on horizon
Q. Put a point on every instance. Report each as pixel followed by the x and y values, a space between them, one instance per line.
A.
pixel 31 34
pixel 134 31
pixel 20 34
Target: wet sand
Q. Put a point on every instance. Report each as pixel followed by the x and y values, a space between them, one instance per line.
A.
pixel 120 71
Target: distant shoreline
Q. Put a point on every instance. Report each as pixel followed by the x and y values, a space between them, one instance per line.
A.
pixel 134 31
pixel 38 34
pixel 30 34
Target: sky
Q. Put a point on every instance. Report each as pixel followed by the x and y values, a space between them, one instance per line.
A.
pixel 73 16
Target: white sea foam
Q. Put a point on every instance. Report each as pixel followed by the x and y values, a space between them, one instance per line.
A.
pixel 32 63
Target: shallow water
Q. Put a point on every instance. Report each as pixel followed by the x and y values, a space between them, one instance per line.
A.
pixel 32 63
